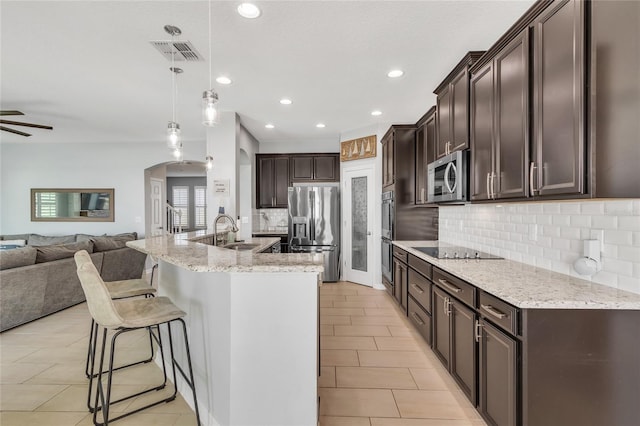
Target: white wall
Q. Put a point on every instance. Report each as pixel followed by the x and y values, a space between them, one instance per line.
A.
pixel 222 145
pixel 549 235
pixel 120 166
pixel 376 164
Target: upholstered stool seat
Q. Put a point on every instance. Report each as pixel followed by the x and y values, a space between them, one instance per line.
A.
pixel 129 288
pixel 125 315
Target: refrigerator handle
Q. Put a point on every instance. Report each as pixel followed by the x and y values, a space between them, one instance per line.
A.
pixel 312 226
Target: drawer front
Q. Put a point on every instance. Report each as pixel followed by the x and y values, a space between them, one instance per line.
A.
pixel 420 319
pixel 459 289
pixel 499 312
pixel 420 265
pixel 420 289
pixel 400 254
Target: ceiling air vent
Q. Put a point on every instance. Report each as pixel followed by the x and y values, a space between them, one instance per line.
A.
pixel 184 50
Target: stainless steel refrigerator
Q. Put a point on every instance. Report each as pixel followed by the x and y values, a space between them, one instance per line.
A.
pixel 314 224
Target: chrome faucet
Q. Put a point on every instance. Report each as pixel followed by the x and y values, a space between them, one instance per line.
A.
pixel 234 228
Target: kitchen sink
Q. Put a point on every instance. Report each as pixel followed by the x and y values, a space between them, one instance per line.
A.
pixel 240 246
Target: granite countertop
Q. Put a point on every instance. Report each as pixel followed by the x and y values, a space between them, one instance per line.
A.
pixel 526 286
pixel 178 249
pixel 282 233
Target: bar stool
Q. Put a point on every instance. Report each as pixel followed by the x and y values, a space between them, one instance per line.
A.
pixel 122 289
pixel 125 315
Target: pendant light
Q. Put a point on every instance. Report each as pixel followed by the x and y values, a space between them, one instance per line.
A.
pixel 210 97
pixel 173 129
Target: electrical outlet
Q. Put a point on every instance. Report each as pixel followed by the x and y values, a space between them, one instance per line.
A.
pixel 533 232
pixel 597 234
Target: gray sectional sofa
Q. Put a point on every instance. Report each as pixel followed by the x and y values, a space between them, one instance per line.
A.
pixel 40 278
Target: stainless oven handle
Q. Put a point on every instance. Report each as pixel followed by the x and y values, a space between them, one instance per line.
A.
pixel 446 178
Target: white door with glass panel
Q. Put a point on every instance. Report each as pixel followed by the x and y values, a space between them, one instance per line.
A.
pixel 357 205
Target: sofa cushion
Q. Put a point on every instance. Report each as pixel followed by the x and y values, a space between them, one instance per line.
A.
pixel 42 240
pixel 112 242
pixel 85 237
pixel 61 251
pixel 15 258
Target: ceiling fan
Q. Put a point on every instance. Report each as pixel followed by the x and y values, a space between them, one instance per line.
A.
pixel 18 123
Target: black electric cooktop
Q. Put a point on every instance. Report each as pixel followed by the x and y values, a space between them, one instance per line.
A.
pixel 455 252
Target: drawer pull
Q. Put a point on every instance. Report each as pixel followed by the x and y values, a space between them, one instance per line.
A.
pixel 449 286
pixel 417 318
pixel 493 311
pixel 417 287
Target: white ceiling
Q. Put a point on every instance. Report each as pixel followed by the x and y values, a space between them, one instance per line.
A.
pixel 87 68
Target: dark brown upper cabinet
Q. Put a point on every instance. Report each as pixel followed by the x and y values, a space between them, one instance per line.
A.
pixel 499 122
pixel 315 168
pixel 453 108
pixel 272 181
pixel 425 152
pixel 398 162
pixel 558 156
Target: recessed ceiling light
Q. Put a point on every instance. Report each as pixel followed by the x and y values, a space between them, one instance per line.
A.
pixel 285 101
pixel 223 80
pixel 269 126
pixel 320 126
pixel 249 10
pixel 395 73
pixel 376 112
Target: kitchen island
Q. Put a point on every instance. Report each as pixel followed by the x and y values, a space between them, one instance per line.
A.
pixel 252 319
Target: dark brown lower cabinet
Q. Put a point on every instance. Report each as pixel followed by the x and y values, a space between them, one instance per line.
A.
pixel 400 283
pixel 454 341
pixel 497 375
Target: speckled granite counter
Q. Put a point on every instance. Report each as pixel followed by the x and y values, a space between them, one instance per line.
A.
pixel 526 286
pixel 181 251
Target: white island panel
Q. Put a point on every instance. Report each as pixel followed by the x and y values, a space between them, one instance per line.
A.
pixel 254 343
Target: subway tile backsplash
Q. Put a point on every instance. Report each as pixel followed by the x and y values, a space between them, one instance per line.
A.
pixel 270 220
pixel 549 235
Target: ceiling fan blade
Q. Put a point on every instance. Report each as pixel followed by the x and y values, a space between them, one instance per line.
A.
pixel 17 132
pixel 10 112
pixel 18 123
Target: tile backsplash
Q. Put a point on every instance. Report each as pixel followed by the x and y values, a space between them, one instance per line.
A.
pixel 550 235
pixel 270 220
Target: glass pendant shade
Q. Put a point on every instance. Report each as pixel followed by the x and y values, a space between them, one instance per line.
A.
pixel 210 114
pixel 173 135
pixel 209 162
pixel 177 152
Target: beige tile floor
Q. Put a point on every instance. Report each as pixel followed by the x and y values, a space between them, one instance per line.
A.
pixel 376 371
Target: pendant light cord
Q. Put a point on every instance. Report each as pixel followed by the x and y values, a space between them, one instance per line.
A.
pixel 210 55
pixel 173 79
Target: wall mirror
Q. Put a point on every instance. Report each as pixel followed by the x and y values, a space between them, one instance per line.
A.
pixel 72 205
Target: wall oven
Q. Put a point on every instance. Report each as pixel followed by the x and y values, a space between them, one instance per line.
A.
pixel 387 215
pixel 448 178
pixel 388 218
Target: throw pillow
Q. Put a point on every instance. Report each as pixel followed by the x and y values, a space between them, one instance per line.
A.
pixel 112 242
pixel 15 258
pixel 42 240
pixel 61 251
pixel 15 237
pixel 20 243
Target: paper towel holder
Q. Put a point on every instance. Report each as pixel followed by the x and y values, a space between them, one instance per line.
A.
pixel 589 263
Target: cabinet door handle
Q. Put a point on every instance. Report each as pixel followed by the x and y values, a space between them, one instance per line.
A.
pixel 532 167
pixel 417 318
pixel 493 187
pixel 478 333
pixel 417 287
pixel 449 286
pixel 493 311
pixel 488 187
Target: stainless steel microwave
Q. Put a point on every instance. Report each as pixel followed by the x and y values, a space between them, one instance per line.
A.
pixel 448 178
